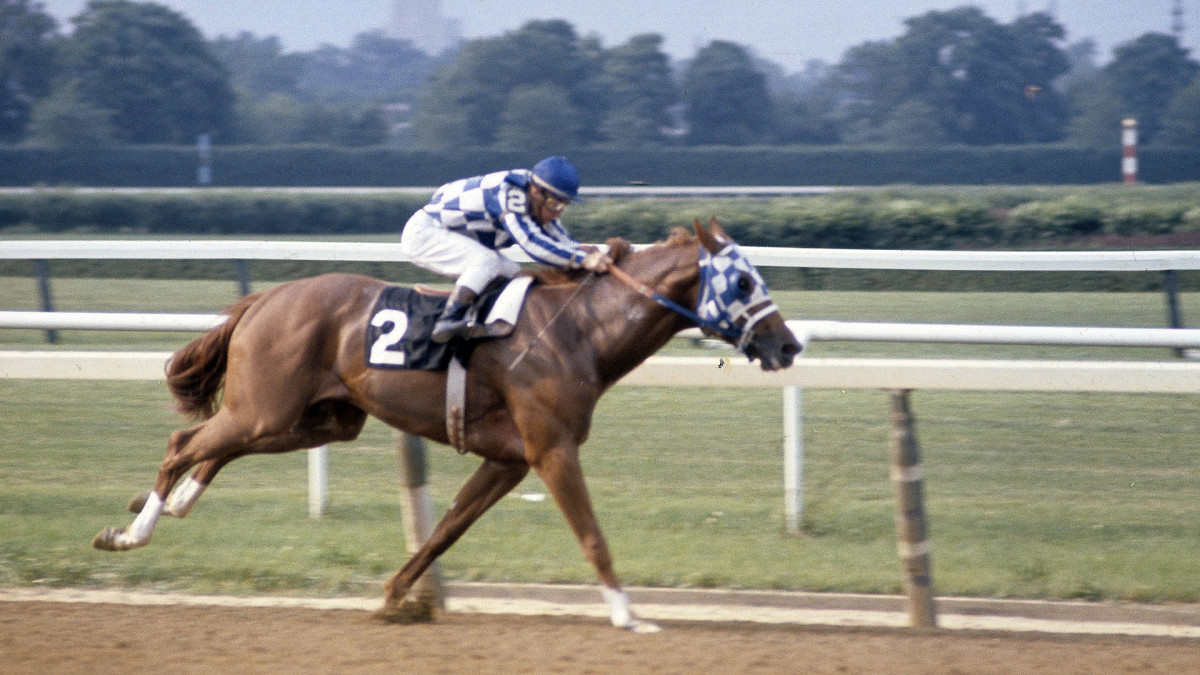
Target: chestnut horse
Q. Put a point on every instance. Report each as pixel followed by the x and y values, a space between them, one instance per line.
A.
pixel 291 364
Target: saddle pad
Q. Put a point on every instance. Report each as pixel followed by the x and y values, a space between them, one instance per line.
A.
pixel 402 321
pixel 399 328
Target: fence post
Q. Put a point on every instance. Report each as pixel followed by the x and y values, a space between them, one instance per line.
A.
pixel 242 270
pixel 912 542
pixel 1174 314
pixel 318 481
pixel 418 516
pixel 42 269
pixel 793 458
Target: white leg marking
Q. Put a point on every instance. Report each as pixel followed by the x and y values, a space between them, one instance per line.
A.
pixel 139 532
pixel 184 497
pixel 622 615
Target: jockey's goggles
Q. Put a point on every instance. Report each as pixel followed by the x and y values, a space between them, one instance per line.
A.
pixel 554 203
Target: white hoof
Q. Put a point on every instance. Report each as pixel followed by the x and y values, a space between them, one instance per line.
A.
pixel 116 539
pixel 622 615
pixel 642 626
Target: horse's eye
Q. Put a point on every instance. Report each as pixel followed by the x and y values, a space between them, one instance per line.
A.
pixel 744 285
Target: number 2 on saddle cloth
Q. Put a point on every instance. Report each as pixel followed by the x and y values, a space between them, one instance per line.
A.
pixel 402 320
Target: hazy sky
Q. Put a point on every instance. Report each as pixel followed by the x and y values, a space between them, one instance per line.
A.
pixel 789 32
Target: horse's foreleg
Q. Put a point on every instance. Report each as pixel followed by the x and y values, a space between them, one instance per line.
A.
pixel 559 469
pixel 484 488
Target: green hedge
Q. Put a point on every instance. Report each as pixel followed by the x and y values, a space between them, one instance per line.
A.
pixel 894 217
pixel 880 218
pixel 174 166
pixel 206 212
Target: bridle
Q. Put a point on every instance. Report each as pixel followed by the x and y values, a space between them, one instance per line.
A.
pixel 737 328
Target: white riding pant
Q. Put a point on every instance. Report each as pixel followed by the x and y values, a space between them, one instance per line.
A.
pixel 437 249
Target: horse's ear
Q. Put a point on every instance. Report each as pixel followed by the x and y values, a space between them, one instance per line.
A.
pixel 717 230
pixel 707 240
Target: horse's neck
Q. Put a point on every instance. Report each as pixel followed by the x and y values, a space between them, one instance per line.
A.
pixel 632 328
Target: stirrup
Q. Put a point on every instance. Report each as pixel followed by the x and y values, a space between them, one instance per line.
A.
pixel 446 330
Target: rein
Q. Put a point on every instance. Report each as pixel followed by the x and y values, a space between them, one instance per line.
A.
pixel 738 336
pixel 542 333
pixel 639 287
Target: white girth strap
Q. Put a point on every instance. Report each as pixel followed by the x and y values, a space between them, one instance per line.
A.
pixel 500 322
pixel 456 405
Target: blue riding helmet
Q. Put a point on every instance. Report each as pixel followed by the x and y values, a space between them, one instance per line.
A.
pixel 558 176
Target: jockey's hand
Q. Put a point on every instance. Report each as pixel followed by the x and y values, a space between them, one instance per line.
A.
pixel 596 261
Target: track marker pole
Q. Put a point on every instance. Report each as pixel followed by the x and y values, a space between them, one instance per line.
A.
pixel 912 541
pixel 1129 161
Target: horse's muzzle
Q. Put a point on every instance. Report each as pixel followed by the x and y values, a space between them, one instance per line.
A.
pixel 773 344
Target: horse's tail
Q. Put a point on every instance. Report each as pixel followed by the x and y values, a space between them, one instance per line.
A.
pixel 196 373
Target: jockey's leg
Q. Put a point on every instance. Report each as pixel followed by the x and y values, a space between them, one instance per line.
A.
pixel 480 266
pixel 453 321
pixel 433 247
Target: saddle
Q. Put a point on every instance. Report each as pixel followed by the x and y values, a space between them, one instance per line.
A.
pixel 401 323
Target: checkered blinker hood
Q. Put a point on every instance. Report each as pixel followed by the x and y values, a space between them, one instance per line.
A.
pixel 733 295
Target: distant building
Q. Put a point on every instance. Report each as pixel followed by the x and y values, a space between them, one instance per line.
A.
pixel 421 22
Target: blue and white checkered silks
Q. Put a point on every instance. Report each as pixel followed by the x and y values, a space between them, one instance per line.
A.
pixel 733 295
pixel 493 210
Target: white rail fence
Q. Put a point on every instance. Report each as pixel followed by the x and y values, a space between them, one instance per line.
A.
pixel 969 261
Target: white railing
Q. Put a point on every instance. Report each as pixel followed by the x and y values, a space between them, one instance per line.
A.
pixel 1148 377
pixel 597 192
pixel 805 330
pixel 971 261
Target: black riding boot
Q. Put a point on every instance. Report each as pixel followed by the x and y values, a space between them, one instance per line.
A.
pixel 453 321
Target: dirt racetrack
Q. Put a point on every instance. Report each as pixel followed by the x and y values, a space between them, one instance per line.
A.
pixel 58 637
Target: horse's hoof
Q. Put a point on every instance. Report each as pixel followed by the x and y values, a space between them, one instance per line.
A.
pixel 108 539
pixel 139 502
pixel 642 626
pixel 406 612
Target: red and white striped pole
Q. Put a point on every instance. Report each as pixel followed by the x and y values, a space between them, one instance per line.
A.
pixel 1129 162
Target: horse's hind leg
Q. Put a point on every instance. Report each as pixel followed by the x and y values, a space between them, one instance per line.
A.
pixel 186 493
pixel 327 421
pixel 219 436
pixel 185 449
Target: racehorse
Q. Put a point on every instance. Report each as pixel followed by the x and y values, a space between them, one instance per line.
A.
pixel 290 362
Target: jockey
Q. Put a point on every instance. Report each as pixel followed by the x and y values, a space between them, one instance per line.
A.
pixel 459 233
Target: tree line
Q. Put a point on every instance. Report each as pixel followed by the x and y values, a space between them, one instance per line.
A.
pixel 141 73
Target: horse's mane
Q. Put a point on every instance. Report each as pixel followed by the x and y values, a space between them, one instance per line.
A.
pixel 618 248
